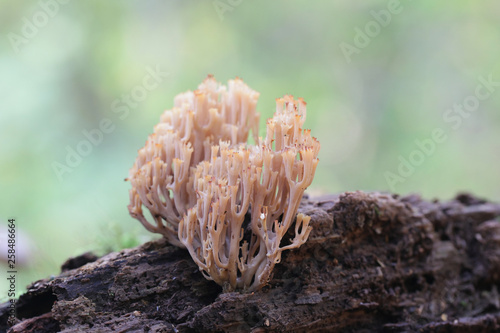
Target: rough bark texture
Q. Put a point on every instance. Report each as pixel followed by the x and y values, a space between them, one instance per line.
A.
pixel 374 262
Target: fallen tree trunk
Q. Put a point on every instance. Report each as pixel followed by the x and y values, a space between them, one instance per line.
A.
pixel 373 262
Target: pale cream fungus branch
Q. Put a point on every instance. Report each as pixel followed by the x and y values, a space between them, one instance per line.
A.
pixel 228 203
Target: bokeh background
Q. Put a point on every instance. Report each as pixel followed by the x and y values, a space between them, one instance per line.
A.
pixel 374 83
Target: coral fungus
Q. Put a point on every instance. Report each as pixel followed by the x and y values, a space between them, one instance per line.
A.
pixel 228 203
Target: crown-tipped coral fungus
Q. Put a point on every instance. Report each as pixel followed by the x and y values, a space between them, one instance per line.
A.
pixel 228 203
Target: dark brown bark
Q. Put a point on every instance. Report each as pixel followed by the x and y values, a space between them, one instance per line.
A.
pixel 373 262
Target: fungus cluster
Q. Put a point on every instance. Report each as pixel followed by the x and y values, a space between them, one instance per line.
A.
pixel 230 204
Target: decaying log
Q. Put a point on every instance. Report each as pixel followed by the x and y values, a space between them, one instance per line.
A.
pixel 373 262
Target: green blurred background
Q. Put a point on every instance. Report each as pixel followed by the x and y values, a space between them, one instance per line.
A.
pixel 63 65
